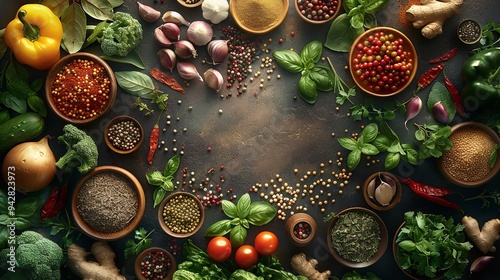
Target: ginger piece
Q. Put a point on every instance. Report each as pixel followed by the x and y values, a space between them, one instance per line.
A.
pixel 307 268
pixel 432 14
pixel 103 269
pixel 484 238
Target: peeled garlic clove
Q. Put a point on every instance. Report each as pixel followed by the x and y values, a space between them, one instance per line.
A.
pixel 370 188
pixel 184 49
pixel 174 17
pixel 148 13
pixel 171 31
pixel 161 39
pixel 168 59
pixel 440 113
pixel 188 71
pixel 388 179
pixel 383 194
pixel 413 107
pixel 480 263
pixel 200 33
pixel 213 79
pixel 218 50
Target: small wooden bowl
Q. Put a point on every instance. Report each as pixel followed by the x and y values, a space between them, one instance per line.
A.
pixel 247 21
pixel 188 5
pixel 143 254
pixel 467 24
pixel 407 45
pixel 118 120
pixel 105 236
pixel 312 21
pixel 384 239
pixel 395 199
pixel 166 228
pixel 296 219
pixel 56 68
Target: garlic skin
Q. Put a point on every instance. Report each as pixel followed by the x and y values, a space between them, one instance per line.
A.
pixel 175 17
pixel 171 31
pixel 218 50
pixel 440 113
pixel 188 71
pixel 200 33
pixel 213 79
pixel 167 58
pixel 185 49
pixel 413 107
pixel 215 10
pixel 161 39
pixel 148 13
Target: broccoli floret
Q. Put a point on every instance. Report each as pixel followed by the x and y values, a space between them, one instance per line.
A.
pixel 121 35
pixel 82 151
pixel 36 257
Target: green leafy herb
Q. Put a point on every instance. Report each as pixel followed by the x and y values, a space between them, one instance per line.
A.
pixel 74 22
pixel 136 83
pixel 242 214
pixel 142 236
pixel 490 37
pixel 486 196
pixel 361 145
pixel 62 224
pixel 434 139
pixel 353 275
pixel 163 180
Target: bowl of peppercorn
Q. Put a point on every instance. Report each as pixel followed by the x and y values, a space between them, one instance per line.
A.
pixel 181 214
pixel 123 134
pixel 318 12
pixel 383 61
pixel 357 237
pixel 301 229
pixel 80 88
pixel 155 263
pixel 190 3
pixel 258 16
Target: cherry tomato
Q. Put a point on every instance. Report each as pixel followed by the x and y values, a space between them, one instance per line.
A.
pixel 266 243
pixel 246 256
pixel 219 249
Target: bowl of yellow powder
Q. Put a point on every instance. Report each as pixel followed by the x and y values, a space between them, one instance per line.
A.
pixel 258 16
pixel 473 160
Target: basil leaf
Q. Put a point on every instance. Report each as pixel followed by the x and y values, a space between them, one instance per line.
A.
pixel 37 105
pixel 158 196
pixel 312 51
pixel 243 206
pixel 382 143
pixel 245 223
pixel 370 132
pixel 307 89
pixel 167 185
pixel 261 213
pixel 349 4
pixel 155 178
pixel 420 135
pixel 15 103
pixel 411 155
pixel 357 16
pixel 353 159
pixel 22 223
pixel 235 221
pixel 370 21
pixel 27 206
pixel 36 85
pixel 74 22
pixel 391 160
pixel 373 6
pixel 238 235
pixel 229 208
pixel 98 9
pixel 348 143
pixel 341 34
pixel 136 83
pixel 369 149
pixel 323 78
pixel 4 236
pixel 172 166
pixel 288 60
pixel 219 228
pixel 386 130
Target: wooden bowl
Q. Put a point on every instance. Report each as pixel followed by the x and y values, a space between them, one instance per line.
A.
pixel 384 239
pixel 250 17
pixel 298 9
pixel 395 199
pixel 291 224
pixel 166 228
pixel 469 25
pixel 370 87
pixel 189 5
pixel 118 120
pixel 109 236
pixel 447 173
pixel 59 66
pixel 145 253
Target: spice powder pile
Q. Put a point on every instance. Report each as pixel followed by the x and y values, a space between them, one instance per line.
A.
pixel 107 202
pixel 468 159
pixel 259 14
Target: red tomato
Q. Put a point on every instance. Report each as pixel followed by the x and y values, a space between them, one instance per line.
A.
pixel 246 256
pixel 219 249
pixel 266 243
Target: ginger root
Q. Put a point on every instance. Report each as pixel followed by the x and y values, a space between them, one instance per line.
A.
pixel 307 268
pixel 104 269
pixel 484 238
pixel 432 14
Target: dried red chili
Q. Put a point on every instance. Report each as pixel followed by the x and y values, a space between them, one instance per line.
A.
pixel 55 201
pixel 431 193
pixel 444 57
pixel 455 96
pixel 429 76
pixel 166 79
pixel 153 142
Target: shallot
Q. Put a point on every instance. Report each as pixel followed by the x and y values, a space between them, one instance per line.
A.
pixel 413 107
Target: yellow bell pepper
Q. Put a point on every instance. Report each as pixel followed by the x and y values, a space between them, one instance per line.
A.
pixel 34 36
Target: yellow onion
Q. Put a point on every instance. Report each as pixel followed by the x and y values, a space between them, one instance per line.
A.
pixel 29 166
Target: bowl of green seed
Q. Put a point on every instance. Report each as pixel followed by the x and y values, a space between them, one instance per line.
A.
pixel 357 237
pixel 123 134
pixel 181 214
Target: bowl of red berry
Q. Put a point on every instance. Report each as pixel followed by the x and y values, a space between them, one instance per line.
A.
pixel 383 61
pixel 318 11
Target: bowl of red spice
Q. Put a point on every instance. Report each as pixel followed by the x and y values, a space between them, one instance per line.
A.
pixel 383 61
pixel 155 263
pixel 108 203
pixel 80 88
pixel 123 134
pixel 181 214
pixel 318 11
pixel 258 16
pixel 472 161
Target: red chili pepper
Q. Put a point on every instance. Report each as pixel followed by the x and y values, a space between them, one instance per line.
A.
pixel 444 57
pixel 455 96
pixel 50 203
pixel 431 193
pixel 441 201
pixel 429 76
pixel 61 199
pixel 153 142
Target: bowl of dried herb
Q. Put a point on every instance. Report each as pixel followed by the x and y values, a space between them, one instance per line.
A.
pixel 258 16
pixel 108 203
pixel 357 237
pixel 181 214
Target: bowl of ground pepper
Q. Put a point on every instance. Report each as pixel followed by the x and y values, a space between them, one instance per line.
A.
pixel 473 160
pixel 108 203
pixel 80 88
pixel 181 214
pixel 258 16
pixel 123 134
pixel 357 237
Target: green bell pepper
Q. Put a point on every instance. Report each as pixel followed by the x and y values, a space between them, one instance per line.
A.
pixel 480 77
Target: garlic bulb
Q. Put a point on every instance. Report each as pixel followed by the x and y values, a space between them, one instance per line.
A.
pixel 215 10
pixel 200 33
pixel 213 79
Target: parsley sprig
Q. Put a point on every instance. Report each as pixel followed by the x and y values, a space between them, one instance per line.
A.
pixel 142 236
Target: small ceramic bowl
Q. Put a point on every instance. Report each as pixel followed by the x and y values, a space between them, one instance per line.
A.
pixel 302 11
pixel 454 168
pixel 125 176
pixel 368 79
pixel 258 17
pixel 190 3
pixel 301 222
pixel 376 179
pixel 102 100
pixel 199 207
pixel 118 120
pixel 141 257
pixel 469 31
pixel 382 246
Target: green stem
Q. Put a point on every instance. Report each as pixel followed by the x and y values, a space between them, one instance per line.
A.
pixel 32 32
pixel 494 78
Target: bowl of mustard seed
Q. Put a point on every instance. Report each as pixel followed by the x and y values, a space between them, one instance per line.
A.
pixel 181 214
pixel 123 134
